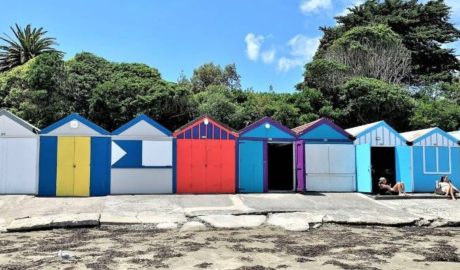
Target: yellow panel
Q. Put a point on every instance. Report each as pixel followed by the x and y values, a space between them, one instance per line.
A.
pixel 82 166
pixel 65 167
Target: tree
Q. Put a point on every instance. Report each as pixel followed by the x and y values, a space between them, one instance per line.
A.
pixel 34 91
pixel 28 43
pixel 373 51
pixel 367 100
pixel 211 74
pixel 424 28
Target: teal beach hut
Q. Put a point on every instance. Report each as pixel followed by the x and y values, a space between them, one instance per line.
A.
pixel 380 152
pixel 434 153
pixel 266 157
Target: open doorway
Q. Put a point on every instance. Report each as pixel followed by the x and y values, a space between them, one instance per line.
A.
pixel 383 165
pixel 280 166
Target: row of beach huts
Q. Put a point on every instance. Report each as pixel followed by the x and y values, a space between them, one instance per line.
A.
pixel 75 157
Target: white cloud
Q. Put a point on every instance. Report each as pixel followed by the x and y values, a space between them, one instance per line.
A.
pixel 302 49
pixel 253 44
pixel 345 11
pixel 268 56
pixel 307 6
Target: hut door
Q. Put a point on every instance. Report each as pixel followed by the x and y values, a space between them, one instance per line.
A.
pixel 73 166
pixel 18 161
pixel 251 168
pixel 404 167
pixel 363 168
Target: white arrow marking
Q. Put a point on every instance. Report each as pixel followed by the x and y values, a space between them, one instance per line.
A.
pixel 117 153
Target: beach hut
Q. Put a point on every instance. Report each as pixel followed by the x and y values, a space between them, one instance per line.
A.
pixel 434 153
pixel 74 158
pixel 18 155
pixel 380 152
pixel 326 157
pixel 206 157
pixel 266 157
pixel 142 158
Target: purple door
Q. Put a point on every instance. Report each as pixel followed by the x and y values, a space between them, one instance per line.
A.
pixel 300 176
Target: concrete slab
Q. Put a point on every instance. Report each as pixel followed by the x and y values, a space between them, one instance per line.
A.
pixel 193 226
pixel 231 221
pixel 167 226
pixel 446 210
pixel 75 220
pixel 32 223
pixel 113 219
pixel 151 217
pixel 291 221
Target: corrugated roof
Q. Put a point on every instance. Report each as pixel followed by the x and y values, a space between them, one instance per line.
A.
pixel 455 134
pixel 305 126
pixel 19 120
pixel 411 136
pixel 355 131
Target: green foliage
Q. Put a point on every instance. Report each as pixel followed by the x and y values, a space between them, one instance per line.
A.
pixel 367 100
pixel 423 27
pixel 28 43
pixel 211 74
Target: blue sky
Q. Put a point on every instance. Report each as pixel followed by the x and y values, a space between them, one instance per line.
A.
pixel 268 40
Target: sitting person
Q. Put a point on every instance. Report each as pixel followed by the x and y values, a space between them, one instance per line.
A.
pixel 386 189
pixel 445 187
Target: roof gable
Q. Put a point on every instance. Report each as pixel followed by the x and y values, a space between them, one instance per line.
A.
pixel 430 137
pixel 377 134
pixel 267 128
pixel 205 127
pixel 74 124
pixel 142 125
pixel 322 129
pixel 12 125
pixel 455 134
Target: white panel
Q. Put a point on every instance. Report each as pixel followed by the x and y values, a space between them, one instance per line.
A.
pixel 335 183
pixel 342 159
pixel 157 153
pixel 81 129
pixel 386 137
pixel 8 127
pixel 143 128
pixel 19 165
pixel 316 158
pixel 368 138
pixel 141 181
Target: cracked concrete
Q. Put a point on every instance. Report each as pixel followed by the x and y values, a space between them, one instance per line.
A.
pixel 290 211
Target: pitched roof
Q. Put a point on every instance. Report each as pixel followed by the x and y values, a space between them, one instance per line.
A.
pixel 411 136
pixel 75 116
pixel 300 130
pixel 303 127
pixel 355 131
pixel 139 118
pixel 19 120
pixel 193 122
pixel 455 134
pixel 269 120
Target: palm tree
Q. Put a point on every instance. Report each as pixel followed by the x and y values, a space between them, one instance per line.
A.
pixel 29 43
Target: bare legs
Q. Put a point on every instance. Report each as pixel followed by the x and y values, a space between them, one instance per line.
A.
pixel 399 187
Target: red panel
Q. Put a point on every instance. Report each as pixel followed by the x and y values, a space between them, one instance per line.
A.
pixel 228 166
pixel 198 179
pixel 205 166
pixel 214 166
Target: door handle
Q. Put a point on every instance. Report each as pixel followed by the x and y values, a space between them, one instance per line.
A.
pixel 75 166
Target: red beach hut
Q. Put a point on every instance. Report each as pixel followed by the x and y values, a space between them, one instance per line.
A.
pixel 206 157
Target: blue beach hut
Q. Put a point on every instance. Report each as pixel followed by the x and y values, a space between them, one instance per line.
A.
pixel 266 157
pixel 380 152
pixel 143 158
pixel 74 158
pixel 434 153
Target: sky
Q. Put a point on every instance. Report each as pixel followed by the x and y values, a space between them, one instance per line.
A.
pixel 268 40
